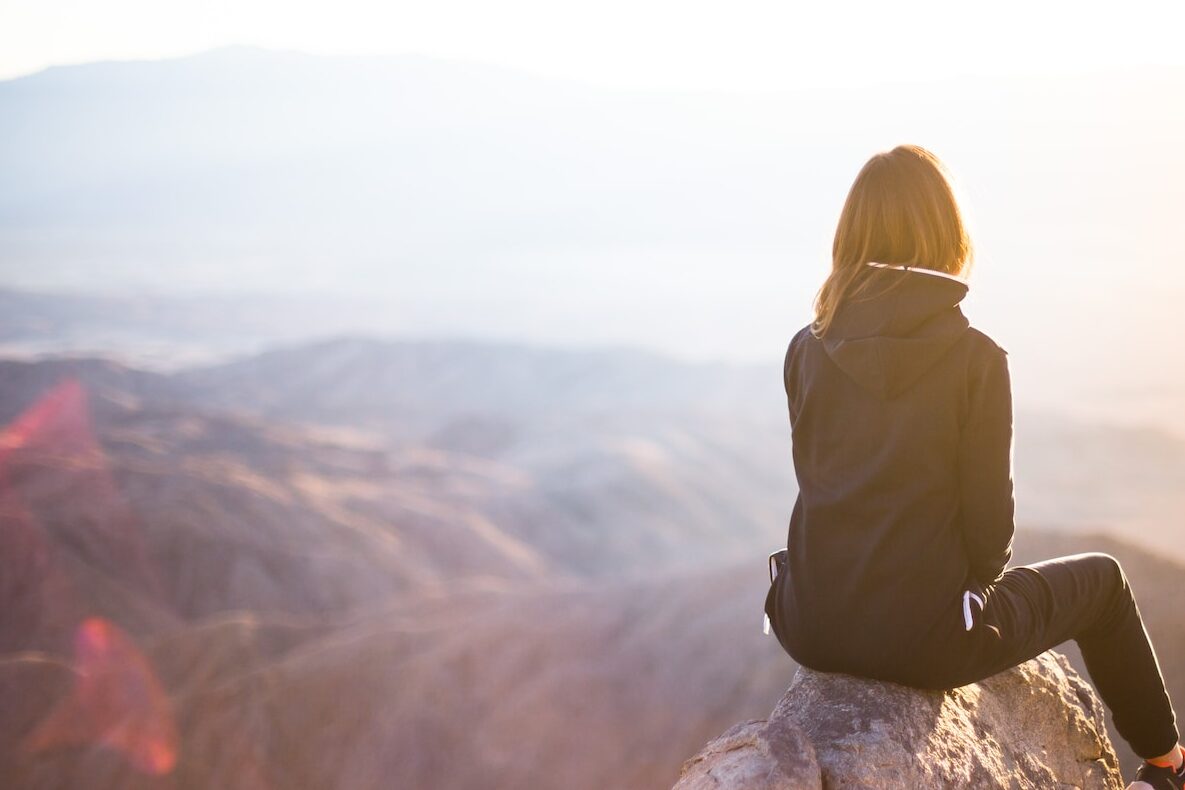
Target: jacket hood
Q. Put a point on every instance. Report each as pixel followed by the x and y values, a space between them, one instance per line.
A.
pixel 887 342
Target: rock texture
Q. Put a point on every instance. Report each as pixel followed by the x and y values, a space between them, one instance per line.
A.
pixel 757 754
pixel 1038 725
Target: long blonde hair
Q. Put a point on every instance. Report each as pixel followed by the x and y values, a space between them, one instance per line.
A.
pixel 901 209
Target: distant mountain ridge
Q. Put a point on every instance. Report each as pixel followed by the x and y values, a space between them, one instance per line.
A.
pixel 232 153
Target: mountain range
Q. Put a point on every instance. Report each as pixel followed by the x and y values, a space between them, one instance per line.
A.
pixel 345 567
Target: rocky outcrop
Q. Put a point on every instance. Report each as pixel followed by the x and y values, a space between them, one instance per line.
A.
pixel 1038 725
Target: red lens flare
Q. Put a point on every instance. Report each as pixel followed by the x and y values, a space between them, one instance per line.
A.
pixel 51 459
pixel 116 701
pixel 52 449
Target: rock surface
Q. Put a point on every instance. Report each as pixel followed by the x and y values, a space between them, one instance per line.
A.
pixel 1038 725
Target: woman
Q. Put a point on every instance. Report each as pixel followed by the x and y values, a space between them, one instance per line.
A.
pixel 899 541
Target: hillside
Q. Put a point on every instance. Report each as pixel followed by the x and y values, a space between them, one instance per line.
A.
pixel 553 463
pixel 477 686
pixel 390 601
pixel 635 416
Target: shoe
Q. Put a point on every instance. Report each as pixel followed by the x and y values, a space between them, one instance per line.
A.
pixel 1154 777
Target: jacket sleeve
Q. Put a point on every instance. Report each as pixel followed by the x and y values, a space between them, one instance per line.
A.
pixel 788 374
pixel 986 500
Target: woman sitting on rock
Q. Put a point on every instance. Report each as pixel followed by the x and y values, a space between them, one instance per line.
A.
pixel 899 541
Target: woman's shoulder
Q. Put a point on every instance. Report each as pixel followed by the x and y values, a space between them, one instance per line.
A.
pixel 801 336
pixel 983 343
pixel 794 349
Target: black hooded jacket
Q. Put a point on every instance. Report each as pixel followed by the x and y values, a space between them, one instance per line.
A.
pixel 901 422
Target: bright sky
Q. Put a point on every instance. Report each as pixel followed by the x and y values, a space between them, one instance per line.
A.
pixel 692 44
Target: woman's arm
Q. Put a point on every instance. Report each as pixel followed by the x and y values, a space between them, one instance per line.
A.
pixel 987 504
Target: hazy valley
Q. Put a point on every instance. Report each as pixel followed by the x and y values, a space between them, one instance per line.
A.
pixel 358 561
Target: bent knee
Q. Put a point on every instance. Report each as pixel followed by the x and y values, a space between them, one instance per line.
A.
pixel 1108 568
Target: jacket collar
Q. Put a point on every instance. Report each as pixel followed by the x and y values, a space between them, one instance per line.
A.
pixel 918 269
pixel 887 341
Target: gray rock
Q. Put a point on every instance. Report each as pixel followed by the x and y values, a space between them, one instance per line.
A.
pixel 1038 725
pixel 759 754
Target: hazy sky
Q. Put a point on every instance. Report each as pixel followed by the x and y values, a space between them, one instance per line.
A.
pixel 740 45
pixel 1075 184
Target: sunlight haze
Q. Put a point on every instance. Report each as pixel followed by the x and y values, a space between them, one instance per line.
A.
pixel 623 43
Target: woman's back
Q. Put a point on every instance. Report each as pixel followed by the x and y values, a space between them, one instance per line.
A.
pixel 901 420
pixel 902 437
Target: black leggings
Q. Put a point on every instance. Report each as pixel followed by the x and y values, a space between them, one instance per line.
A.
pixel 1084 597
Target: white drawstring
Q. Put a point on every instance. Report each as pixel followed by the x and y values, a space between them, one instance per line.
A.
pixel 967 619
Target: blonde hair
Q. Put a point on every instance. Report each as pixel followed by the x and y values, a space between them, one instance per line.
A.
pixel 901 210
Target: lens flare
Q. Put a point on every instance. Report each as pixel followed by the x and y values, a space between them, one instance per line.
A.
pixel 50 458
pixel 116 701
